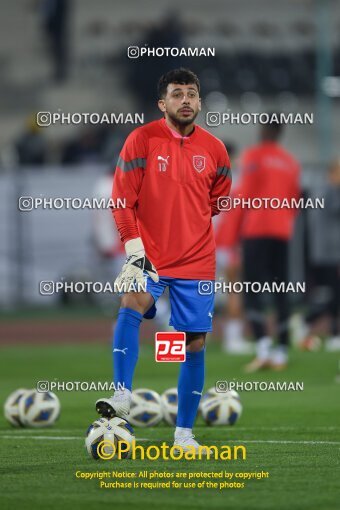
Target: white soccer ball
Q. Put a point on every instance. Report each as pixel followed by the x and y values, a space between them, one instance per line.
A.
pixel 169 400
pixel 208 395
pixel 96 424
pixel 38 409
pixel 146 408
pixel 221 409
pixel 110 433
pixel 11 409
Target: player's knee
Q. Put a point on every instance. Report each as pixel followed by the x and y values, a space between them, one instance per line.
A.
pixel 195 341
pixel 135 302
pixel 129 301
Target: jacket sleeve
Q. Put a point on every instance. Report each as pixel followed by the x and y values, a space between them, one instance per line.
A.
pixel 127 183
pixel 222 183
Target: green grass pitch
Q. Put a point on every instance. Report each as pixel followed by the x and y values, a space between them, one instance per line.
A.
pixel 295 436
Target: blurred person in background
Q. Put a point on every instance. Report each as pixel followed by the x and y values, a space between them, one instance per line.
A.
pixel 323 230
pixel 86 147
pixel 229 259
pixel 55 17
pixel 109 249
pixel 268 170
pixel 31 145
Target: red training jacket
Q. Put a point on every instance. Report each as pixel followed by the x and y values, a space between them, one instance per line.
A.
pixel 268 171
pixel 171 185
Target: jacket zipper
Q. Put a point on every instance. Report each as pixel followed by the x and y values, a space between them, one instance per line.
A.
pixel 181 180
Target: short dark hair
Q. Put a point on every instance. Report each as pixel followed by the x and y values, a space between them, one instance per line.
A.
pixel 182 76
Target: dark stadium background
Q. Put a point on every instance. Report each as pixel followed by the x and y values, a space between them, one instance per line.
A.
pixel 270 56
pixel 70 56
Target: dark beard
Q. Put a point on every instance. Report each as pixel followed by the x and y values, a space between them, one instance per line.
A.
pixel 182 122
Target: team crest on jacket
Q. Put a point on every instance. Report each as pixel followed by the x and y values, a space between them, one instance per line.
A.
pixel 199 163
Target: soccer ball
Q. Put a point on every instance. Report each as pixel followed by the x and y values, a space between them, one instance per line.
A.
pixel 96 424
pixel 208 395
pixel 38 409
pixel 110 432
pixel 169 401
pixel 94 435
pixel 222 409
pixel 146 408
pixel 11 410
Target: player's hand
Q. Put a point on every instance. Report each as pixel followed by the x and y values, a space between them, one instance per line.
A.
pixel 135 266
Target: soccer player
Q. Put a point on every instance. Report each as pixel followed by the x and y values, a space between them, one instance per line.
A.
pixel 324 256
pixel 171 173
pixel 229 258
pixel 268 170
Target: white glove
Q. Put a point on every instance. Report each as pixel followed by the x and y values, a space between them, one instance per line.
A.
pixel 135 264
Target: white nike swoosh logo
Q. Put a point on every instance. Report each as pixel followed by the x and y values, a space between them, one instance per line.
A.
pixel 196 393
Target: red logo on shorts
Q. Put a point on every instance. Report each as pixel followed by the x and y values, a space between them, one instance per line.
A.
pixel 170 346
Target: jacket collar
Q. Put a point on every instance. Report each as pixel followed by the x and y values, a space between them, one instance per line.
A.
pixel 173 135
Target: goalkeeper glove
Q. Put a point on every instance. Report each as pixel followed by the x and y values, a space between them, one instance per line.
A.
pixel 135 265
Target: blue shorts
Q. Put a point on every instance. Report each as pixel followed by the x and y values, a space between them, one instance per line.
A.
pixel 190 310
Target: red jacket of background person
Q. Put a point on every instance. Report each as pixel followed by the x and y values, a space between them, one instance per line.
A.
pixel 268 171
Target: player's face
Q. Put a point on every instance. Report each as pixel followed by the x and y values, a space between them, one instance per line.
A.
pixel 181 103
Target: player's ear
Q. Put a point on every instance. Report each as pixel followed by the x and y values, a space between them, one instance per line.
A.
pixel 199 104
pixel 161 105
